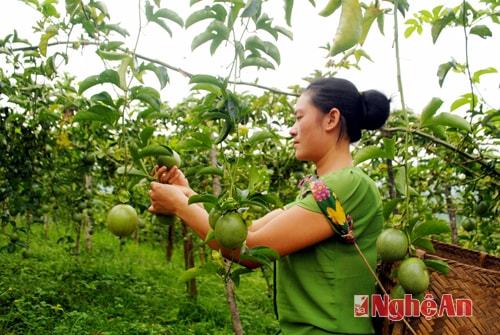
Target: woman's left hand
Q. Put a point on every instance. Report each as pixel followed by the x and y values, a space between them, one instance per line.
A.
pixel 166 198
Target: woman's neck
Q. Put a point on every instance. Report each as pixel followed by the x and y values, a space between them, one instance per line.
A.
pixel 337 158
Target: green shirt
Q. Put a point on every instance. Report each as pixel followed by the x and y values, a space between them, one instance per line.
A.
pixel 316 286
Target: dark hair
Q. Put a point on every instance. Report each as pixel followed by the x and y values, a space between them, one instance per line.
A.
pixel 359 110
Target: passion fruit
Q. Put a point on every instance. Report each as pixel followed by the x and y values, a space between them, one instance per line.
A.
pixel 392 245
pixel 413 275
pixel 468 224
pixel 230 231
pixel 169 161
pixel 122 220
pixel 481 208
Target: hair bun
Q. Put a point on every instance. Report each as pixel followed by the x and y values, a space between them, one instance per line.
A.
pixel 376 109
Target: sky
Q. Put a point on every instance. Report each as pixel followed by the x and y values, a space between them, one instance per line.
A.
pixel 419 57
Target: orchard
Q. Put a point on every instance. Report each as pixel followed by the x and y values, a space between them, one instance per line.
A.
pixel 77 154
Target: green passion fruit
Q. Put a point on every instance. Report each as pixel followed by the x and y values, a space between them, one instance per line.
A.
pixel 413 275
pixel 122 220
pixel 230 231
pixel 468 224
pixel 481 208
pixel 392 245
pixel 169 161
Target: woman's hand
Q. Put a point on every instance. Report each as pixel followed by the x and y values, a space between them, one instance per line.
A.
pixel 173 176
pixel 166 198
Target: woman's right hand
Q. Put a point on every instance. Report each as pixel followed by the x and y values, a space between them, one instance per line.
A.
pixel 174 176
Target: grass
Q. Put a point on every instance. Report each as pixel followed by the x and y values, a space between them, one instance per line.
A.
pixel 108 291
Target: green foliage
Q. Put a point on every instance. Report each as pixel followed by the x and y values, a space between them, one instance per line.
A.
pixel 111 291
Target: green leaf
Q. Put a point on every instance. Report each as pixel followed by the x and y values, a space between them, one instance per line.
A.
pixel 424 243
pixel 437 130
pixel 288 12
pixel 44 41
pixel 389 206
pixel 154 150
pixel 190 274
pixel 227 127
pixel 437 265
pixel 208 79
pixel 107 76
pixel 72 6
pixel 401 185
pixel 330 8
pixel 111 45
pixel 203 138
pixel 448 120
pixel 210 170
pixel 479 73
pixel 163 24
pixel 371 14
pixel 440 24
pixel 160 72
pixel 430 110
pixel 443 70
pixel 254 42
pixel 481 31
pixel 201 39
pixel 261 255
pixel 371 152
pixel 111 55
pixel 264 251
pixel 115 27
pixel 203 198
pixel 206 87
pixel 216 42
pixel 427 228
pixel 258 62
pixel 260 136
pixel 236 274
pixel 390 147
pixel 283 31
pixel 147 95
pixel 98 113
pixel 103 97
pixel 170 15
pixel 464 100
pixel 131 171
pixel 100 5
pixel 216 12
pixel 191 143
pixel 146 134
pixel 264 23
pixel 252 9
pixel 210 236
pixel 349 29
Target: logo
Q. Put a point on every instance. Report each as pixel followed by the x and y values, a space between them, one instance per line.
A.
pixel 397 309
pixel 361 306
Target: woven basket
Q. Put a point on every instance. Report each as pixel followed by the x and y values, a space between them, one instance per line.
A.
pixel 473 275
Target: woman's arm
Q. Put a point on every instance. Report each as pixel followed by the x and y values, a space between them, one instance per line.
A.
pixel 259 223
pixel 285 231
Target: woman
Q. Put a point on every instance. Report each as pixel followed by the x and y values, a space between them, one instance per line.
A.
pixel 318 273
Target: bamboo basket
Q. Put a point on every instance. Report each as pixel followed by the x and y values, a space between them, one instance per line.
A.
pixel 473 275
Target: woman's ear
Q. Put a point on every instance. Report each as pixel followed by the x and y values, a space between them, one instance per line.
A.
pixel 332 119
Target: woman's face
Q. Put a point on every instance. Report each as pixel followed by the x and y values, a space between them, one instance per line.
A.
pixel 307 133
